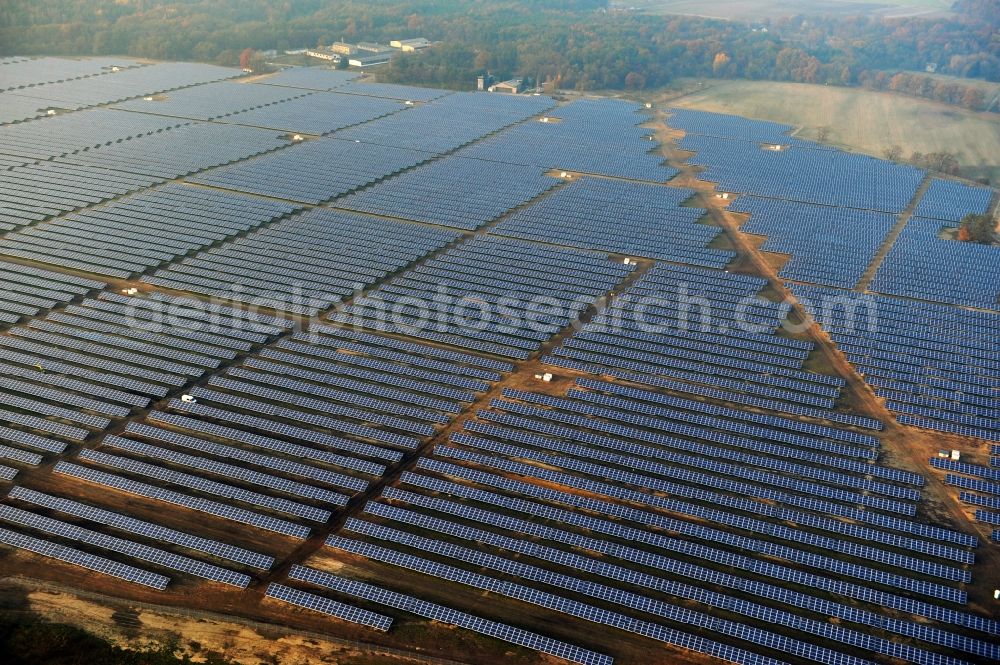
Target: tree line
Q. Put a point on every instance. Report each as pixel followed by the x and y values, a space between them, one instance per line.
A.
pixel 966 95
pixel 577 44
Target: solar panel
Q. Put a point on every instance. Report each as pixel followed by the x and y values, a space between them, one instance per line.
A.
pixel 592 566
pixel 142 528
pixel 623 217
pixel 194 503
pixel 685 549
pixel 800 171
pixel 231 492
pixel 447 615
pixel 329 607
pixel 570 607
pixel 860 573
pixel 84 560
pixel 597 136
pixel 303 264
pixel 126 547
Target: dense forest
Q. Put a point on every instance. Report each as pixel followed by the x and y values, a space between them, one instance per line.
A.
pixel 571 43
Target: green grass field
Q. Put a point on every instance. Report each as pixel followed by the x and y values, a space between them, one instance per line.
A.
pixel 758 9
pixel 857 119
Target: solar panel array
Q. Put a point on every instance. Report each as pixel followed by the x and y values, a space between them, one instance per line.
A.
pixel 727 126
pixel 623 599
pixel 111 87
pixel 26 291
pixel 329 607
pixel 287 437
pixel 140 528
pixel 624 217
pixel 131 549
pixel 447 615
pixel 86 560
pixel 934 365
pixel 468 298
pixel 31 87
pixel 453 191
pixel 951 200
pixel 290 435
pixel 505 513
pixel 689 479
pixel 35 192
pixel 827 245
pixel 921 264
pixel 317 113
pixel 825 177
pixel 142 231
pixel 597 136
pixel 449 122
pixel 212 101
pixel 31 72
pixel 16 108
pixel 391 91
pixel 304 265
pixel 984 481
pixel 93 162
pixel 698 330
pixel 314 171
pixel 71 374
pixel 309 78
pixel 182 151
pixel 119 482
pixel 74 132
pixel 370 411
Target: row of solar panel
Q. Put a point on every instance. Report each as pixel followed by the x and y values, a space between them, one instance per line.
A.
pixel 602 591
pixel 923 265
pixel 687 549
pixel 902 348
pixel 111 83
pixel 499 311
pixel 595 136
pixel 623 217
pixel 154 227
pixel 826 177
pixel 594 566
pixel 827 245
pixel 455 192
pixel 304 265
pixel 447 615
